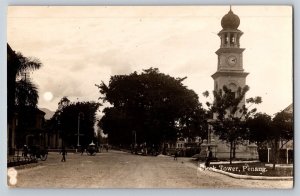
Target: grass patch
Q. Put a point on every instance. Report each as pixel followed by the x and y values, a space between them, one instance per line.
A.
pixel 254 169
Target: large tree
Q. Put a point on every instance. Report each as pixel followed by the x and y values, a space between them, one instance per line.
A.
pixel 276 132
pixel 230 115
pixel 20 92
pixel 70 115
pixel 259 129
pixel 149 107
pixel 26 93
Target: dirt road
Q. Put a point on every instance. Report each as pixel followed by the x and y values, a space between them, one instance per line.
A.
pixel 117 169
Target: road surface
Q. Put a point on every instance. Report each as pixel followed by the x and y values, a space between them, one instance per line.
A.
pixel 116 169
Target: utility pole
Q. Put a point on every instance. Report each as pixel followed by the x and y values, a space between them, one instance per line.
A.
pixel 134 137
pixel 79 116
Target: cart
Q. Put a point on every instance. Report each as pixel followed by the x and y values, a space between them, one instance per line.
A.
pixel 91 150
pixel 36 152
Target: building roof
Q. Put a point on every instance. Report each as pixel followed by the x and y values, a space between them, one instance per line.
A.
pixel 289 109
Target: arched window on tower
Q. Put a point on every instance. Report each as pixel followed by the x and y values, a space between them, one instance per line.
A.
pixel 233 87
pixel 226 40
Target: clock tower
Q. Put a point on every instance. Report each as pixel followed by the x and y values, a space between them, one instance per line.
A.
pixel 230 71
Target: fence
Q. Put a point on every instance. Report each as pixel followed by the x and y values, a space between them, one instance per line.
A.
pixel 283 158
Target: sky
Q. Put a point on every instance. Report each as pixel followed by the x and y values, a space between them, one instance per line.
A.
pixel 82 46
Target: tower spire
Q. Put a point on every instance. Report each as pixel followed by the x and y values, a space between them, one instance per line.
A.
pixel 230 7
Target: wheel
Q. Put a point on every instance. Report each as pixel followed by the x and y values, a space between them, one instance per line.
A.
pixel 32 156
pixel 43 157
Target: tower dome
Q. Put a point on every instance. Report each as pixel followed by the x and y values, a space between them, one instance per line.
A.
pixel 230 21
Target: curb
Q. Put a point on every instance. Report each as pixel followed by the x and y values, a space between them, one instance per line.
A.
pixel 238 176
pixel 27 166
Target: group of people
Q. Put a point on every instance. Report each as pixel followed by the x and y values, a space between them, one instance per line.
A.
pixel 144 149
pixel 63 151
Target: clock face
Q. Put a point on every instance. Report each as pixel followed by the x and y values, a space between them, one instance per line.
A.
pixel 232 60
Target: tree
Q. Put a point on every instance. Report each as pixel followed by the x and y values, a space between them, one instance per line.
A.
pixel 197 125
pixel 283 124
pixel 276 132
pixel 17 64
pixel 259 129
pixel 26 99
pixel 150 107
pixel 64 102
pixel 67 115
pixel 230 115
pixel 22 95
pixel 26 93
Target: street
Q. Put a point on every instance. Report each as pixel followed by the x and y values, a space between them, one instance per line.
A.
pixel 116 169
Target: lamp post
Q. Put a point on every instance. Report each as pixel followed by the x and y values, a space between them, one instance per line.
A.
pixel 134 137
pixel 79 115
pixel 58 129
pixel 287 155
pixel 269 154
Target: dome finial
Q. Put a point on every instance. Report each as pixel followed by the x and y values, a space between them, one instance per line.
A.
pixel 230 20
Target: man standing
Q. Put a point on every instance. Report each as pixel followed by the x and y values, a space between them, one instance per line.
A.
pixel 64 153
pixel 175 155
pixel 208 157
pixel 25 150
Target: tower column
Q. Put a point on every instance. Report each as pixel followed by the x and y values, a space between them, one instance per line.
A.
pixel 235 40
pixel 238 40
pixel 228 39
pixel 222 40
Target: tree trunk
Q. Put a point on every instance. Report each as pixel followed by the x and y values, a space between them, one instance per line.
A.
pixel 233 150
pixel 230 152
pixel 275 152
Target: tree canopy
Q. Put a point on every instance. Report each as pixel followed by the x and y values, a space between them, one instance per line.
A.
pixel 231 114
pixel 21 92
pixel 151 106
pixel 275 132
pixel 66 120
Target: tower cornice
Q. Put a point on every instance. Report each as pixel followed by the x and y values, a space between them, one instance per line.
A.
pixel 231 31
pixel 229 73
pixel 229 50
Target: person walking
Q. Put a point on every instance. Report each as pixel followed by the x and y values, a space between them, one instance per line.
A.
pixel 64 153
pixel 175 155
pixel 82 150
pixel 25 150
pixel 208 157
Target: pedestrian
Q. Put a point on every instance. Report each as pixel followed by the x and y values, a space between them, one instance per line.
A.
pixel 208 157
pixel 135 149
pixel 82 150
pixel 64 153
pixel 25 150
pixel 175 155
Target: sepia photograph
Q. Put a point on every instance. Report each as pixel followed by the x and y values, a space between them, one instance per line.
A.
pixel 150 97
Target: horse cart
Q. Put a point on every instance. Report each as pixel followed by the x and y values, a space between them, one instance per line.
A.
pixel 38 152
pixel 91 150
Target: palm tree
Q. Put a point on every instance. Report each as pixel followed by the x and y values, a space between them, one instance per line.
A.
pixel 17 64
pixel 26 93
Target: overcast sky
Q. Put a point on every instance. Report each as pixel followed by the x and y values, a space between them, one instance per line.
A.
pixel 82 46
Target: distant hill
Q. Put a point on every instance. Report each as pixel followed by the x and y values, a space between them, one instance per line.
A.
pixel 48 112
